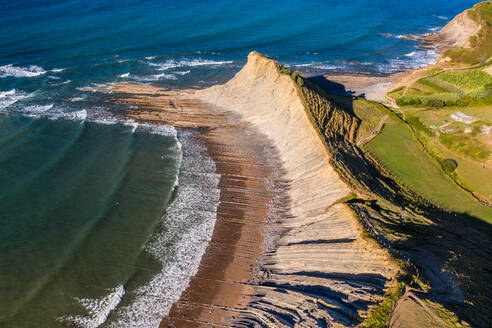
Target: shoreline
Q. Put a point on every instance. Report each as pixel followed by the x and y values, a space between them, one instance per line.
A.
pixel 221 288
pixel 294 246
pixel 249 183
pixel 372 88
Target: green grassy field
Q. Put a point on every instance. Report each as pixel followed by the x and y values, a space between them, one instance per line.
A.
pixel 472 171
pixel 465 145
pixel 396 148
pixel 467 80
pixel 450 88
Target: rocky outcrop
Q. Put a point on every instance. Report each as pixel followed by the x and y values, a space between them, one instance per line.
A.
pixel 294 256
pixel 458 31
pixel 322 271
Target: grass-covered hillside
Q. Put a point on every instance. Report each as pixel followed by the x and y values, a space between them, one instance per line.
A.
pixel 449 108
pixel 460 87
pixel 480 50
pixel 406 199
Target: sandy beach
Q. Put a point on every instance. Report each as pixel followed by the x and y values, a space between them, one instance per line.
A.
pixel 282 252
pixel 365 86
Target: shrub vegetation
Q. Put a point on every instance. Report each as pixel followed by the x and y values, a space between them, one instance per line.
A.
pixel 295 75
pixel 466 146
pixel 300 81
pixel 285 71
pixel 449 165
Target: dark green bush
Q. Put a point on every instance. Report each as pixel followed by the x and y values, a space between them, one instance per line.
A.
pixel 295 75
pixel 285 71
pixel 449 165
pixel 300 81
pixel 419 126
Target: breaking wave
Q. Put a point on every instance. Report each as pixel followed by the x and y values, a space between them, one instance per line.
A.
pixel 172 63
pixel 415 59
pixel 10 97
pixel 19 71
pixel 180 240
pixel 97 310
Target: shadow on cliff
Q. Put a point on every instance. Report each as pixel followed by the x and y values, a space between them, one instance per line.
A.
pixel 330 87
pixel 456 243
pixel 335 92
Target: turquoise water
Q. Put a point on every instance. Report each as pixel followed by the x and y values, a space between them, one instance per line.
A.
pixel 78 202
pixel 102 220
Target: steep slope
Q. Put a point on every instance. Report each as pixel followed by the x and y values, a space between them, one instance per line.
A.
pixel 458 31
pixel 322 271
pixel 274 143
pixel 467 38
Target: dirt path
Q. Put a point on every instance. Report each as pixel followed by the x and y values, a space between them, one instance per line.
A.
pixel 374 133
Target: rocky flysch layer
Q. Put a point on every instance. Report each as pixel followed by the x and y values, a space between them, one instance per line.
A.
pixel 284 252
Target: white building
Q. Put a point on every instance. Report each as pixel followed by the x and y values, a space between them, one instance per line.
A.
pixel 462 117
pixel 485 129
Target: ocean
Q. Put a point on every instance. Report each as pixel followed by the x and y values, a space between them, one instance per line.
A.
pixel 103 220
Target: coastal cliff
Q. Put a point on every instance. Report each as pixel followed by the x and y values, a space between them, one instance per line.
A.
pixel 457 32
pixel 305 259
pixel 322 255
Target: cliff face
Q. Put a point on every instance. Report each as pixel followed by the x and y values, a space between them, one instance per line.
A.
pixel 458 31
pixel 321 270
pixel 318 269
pixel 467 38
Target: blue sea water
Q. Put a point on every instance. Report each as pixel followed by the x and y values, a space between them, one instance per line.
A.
pixel 92 226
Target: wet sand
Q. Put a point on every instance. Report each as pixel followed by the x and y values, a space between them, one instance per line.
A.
pixel 249 184
pixel 283 252
pixel 221 287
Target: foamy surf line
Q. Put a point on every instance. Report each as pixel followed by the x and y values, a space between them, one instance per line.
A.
pixel 189 223
pixel 417 58
pixel 25 71
pixel 10 97
pixel 179 243
pixel 172 63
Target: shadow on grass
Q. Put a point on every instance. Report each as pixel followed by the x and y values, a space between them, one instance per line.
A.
pixel 459 243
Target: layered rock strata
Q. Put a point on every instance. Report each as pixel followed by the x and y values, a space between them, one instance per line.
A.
pixel 284 253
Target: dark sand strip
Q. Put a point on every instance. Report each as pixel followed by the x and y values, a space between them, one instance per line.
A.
pixel 248 169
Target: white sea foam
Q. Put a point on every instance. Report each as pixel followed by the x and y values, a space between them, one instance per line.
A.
pixel 326 66
pixel 172 63
pixel 435 29
pixel 149 78
pixel 182 72
pixel 7 93
pixel 77 115
pixel 75 99
pixel 303 65
pixel 156 77
pixel 133 124
pixel 396 36
pixel 182 240
pixel 8 98
pixel 441 17
pixel 19 71
pixel 164 130
pixel 97 310
pixel 107 120
pixel 415 59
pixel 100 86
pixel 33 109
